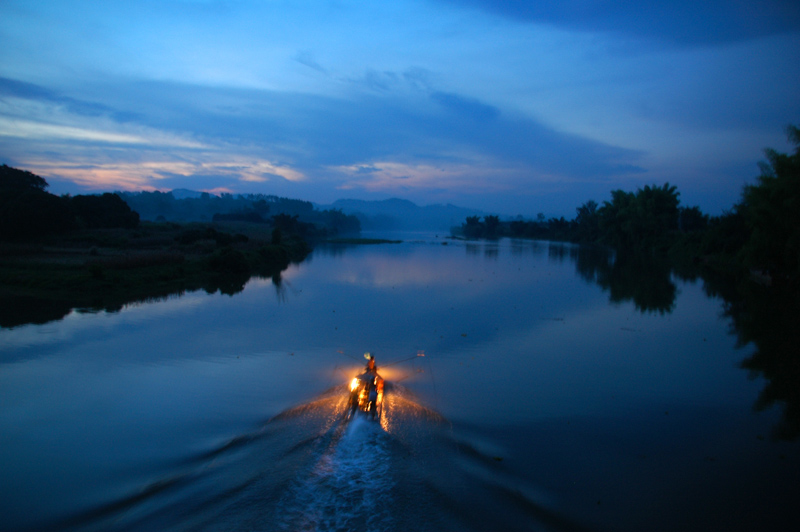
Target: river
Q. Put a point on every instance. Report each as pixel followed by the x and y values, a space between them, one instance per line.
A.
pixel 527 390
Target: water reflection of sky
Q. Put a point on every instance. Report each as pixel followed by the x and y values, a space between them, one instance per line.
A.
pixel 506 319
pixel 512 337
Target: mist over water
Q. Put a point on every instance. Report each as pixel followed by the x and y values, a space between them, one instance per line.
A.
pixel 545 400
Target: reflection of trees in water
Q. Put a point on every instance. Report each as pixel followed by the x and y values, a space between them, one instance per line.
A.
pixel 488 250
pixel 281 286
pixel 628 277
pixel 765 317
pixel 558 252
pixel 769 319
pixel 21 310
pixel 16 310
pixel 520 247
pixel 230 284
pixel 642 279
pixel 331 250
pixel 590 261
pixel 473 249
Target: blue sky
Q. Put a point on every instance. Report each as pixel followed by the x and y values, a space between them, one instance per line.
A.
pixel 512 107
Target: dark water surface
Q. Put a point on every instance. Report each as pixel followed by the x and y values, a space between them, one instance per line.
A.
pixel 548 398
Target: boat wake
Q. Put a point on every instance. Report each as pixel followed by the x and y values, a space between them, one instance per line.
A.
pixel 315 468
pixel 348 487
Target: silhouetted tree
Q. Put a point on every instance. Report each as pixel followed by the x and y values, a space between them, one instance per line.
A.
pixel 14 181
pixel 692 219
pixel 289 224
pixel 772 213
pixel 726 234
pixel 641 220
pixel 261 207
pixel 491 223
pixel 251 208
pixel 338 222
pixel 617 219
pixel 277 236
pixel 559 228
pixel 587 223
pixel 26 210
pixel 35 214
pixel 103 211
pixel 241 216
pixel 518 228
pixel 473 227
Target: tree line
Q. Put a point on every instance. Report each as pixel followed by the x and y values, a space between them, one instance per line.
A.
pixel 649 218
pixel 28 211
pixel 93 252
pixel 759 234
pixel 653 238
pixel 253 208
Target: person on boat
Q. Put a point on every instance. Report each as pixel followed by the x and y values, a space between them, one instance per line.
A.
pixel 373 400
pixel 374 383
pixel 370 363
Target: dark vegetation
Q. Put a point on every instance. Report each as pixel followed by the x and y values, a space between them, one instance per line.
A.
pixel 749 256
pixel 758 237
pixel 93 270
pixel 649 219
pixel 402 215
pixel 94 253
pixel 28 211
pixel 297 216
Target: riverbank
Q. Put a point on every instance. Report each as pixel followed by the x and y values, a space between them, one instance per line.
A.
pixel 104 269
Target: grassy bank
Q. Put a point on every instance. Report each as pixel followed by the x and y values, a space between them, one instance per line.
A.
pixel 106 269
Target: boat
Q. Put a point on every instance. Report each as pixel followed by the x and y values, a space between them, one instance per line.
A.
pixel 366 394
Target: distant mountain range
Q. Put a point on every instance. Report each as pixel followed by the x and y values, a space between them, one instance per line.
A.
pixel 386 215
pixel 399 214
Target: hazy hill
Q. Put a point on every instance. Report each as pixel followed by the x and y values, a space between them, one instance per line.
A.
pixel 185 205
pixel 399 214
pixel 183 193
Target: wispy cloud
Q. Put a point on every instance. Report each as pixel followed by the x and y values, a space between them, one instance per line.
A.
pixel 307 58
pixel 685 22
pixel 163 174
pixel 310 134
pixel 38 131
pixel 487 102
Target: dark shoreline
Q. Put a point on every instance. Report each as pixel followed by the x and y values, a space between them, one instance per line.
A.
pixel 106 269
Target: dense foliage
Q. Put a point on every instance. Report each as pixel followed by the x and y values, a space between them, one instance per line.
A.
pixel 772 214
pixel 28 211
pixel 760 234
pixel 749 256
pixel 647 239
pixel 104 211
pixel 251 208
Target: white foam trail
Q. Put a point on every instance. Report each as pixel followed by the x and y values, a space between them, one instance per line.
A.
pixel 348 487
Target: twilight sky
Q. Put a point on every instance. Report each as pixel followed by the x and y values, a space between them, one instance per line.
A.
pixel 509 106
